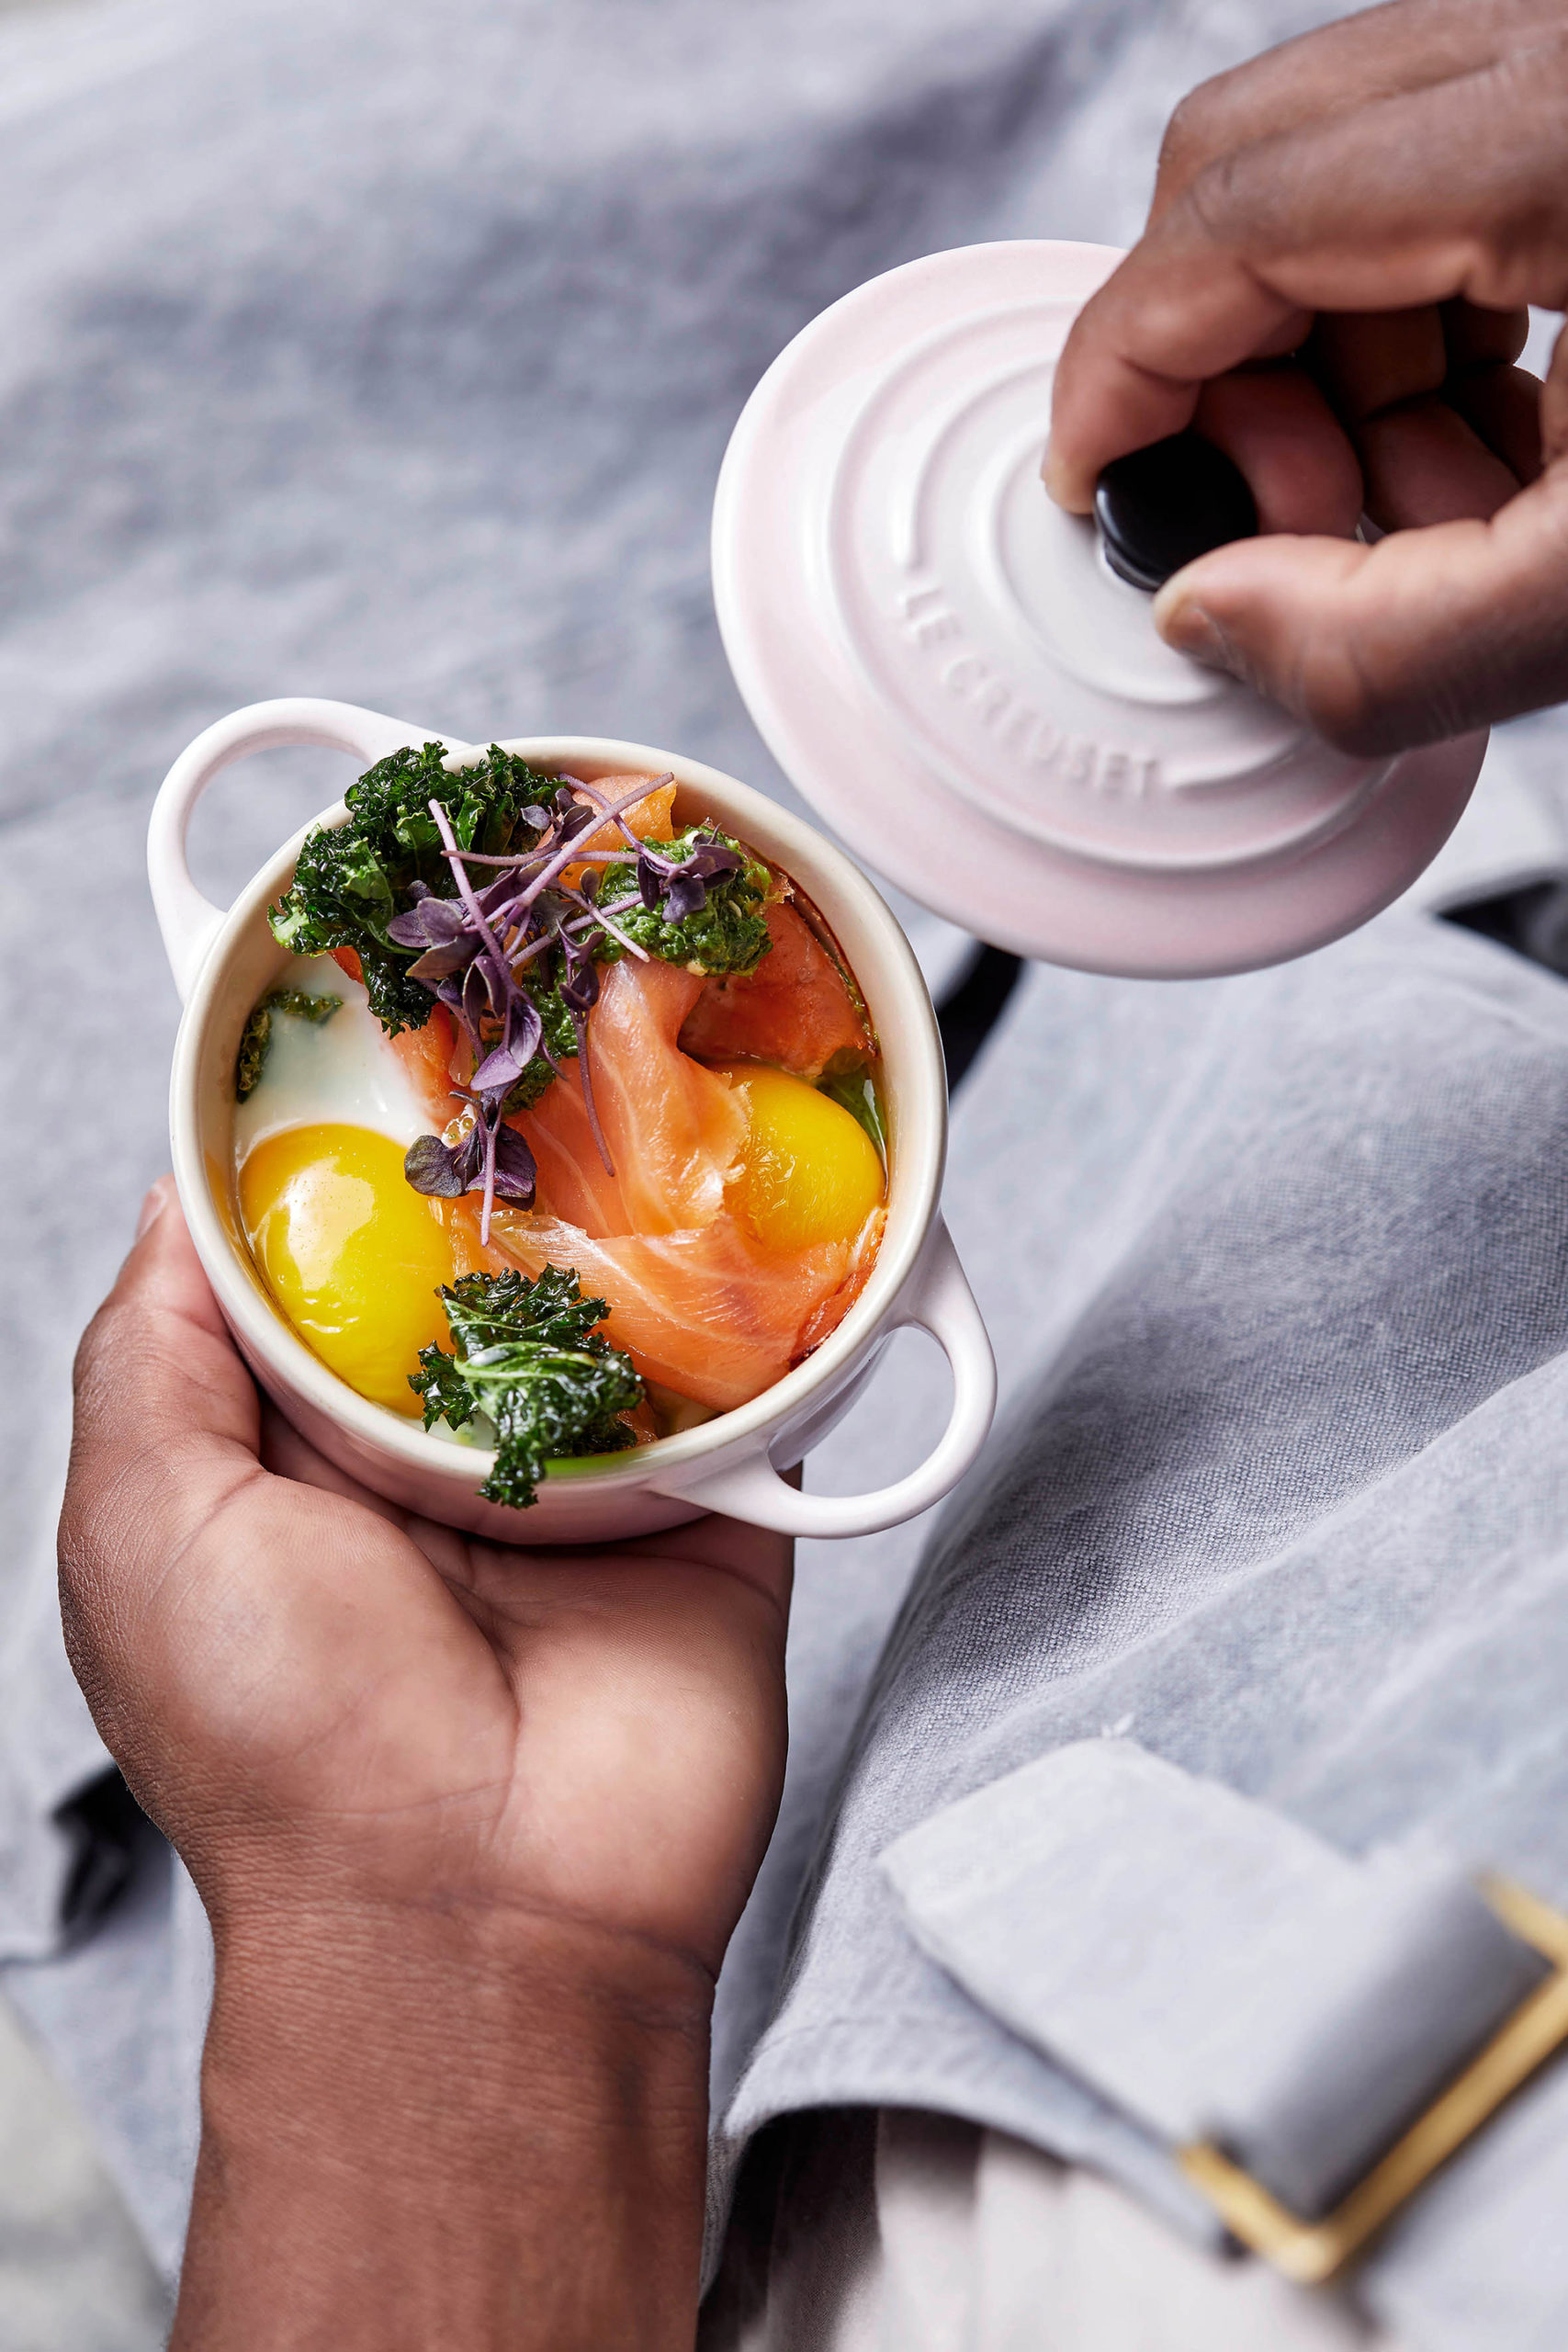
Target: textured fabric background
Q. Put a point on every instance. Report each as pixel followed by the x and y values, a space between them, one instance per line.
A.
pixel 389 353
pixel 1288 1504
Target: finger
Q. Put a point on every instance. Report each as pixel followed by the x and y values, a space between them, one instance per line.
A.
pixel 1502 406
pixel 1411 386
pixel 493 1575
pixel 476 1571
pixel 1378 53
pixel 755 1555
pixel 1554 408
pixel 1348 214
pixel 166 1417
pixel 1415 389
pixel 1376 359
pixel 1141 350
pixel 165 1436
pixel 1424 463
pixel 1428 634
pixel 1298 460
pixel 289 1455
pixel 1477 338
pixel 1399 363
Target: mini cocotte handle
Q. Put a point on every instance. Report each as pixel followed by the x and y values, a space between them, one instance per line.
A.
pixel 938 1301
pixel 189 921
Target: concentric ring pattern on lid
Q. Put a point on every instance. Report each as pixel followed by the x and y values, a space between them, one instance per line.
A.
pixel 948 669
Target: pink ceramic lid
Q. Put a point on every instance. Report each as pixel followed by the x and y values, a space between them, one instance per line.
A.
pixel 949 671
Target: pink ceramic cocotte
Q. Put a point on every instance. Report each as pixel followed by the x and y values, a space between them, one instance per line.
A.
pixel 223 963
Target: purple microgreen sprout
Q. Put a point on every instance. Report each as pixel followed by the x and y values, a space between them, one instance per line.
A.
pixel 498 1071
pixel 473 948
pixel 580 994
pixel 502 1068
pixel 465 888
pixel 604 918
pixel 569 854
pixel 446 1171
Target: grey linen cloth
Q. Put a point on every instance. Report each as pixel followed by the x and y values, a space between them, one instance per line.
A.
pixel 389 355
pixel 1289 1506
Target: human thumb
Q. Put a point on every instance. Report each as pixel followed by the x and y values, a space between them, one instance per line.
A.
pixel 1430 633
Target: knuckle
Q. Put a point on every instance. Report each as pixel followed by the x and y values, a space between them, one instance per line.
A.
pixel 1197 127
pixel 108 1355
pixel 90 1349
pixel 1347 716
pixel 1335 688
pixel 76 1617
pixel 1351 694
pixel 72 1556
pixel 1221 199
pixel 1370 702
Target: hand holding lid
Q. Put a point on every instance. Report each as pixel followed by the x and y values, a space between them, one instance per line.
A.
pixel 1372 225
pixel 951 669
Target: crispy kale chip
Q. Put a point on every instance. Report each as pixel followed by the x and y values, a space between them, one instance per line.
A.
pixel 255 1040
pixel 714 925
pixel 528 1358
pixel 352 880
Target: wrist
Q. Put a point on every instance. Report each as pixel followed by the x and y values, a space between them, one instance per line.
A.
pixel 471 2126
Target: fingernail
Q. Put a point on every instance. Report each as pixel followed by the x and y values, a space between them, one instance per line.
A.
pixel 153 1207
pixel 1054 474
pixel 1192 630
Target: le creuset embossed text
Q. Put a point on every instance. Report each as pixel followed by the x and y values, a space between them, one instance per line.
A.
pixel 951 671
pixel 224 963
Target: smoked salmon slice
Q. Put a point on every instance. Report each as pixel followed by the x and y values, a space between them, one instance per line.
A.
pixel 427 1055
pixel 573 1181
pixel 697 1302
pixel 795 1010
pixel 709 1312
pixel 651 818
pixel 675 1131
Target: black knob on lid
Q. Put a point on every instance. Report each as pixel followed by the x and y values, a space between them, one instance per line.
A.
pixel 1161 507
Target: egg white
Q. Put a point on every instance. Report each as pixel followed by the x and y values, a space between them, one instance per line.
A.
pixel 343 1070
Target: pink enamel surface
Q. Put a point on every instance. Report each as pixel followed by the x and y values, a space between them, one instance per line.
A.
pixel 945 667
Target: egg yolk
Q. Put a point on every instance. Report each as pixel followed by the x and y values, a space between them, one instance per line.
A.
pixel 351 1252
pixel 810 1173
